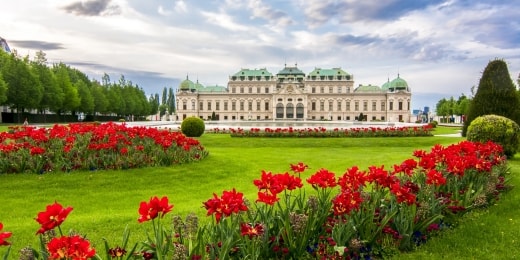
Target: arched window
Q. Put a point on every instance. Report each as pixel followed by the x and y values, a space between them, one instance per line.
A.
pixel 289 111
pixel 299 110
pixel 279 110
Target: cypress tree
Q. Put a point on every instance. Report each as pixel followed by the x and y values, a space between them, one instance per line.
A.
pixel 496 94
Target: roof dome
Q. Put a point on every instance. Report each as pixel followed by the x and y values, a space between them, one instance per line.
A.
pixel 186 84
pixel 398 84
pixel 386 86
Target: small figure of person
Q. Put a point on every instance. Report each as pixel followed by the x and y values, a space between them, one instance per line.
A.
pixel 26 123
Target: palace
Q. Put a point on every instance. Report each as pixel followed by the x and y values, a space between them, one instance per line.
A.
pixel 323 94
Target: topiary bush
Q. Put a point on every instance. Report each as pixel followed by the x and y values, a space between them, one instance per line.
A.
pixel 498 129
pixel 192 127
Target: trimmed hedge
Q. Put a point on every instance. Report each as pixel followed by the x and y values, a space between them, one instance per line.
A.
pixel 498 129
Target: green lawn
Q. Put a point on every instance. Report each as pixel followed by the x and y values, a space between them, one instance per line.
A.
pixel 105 202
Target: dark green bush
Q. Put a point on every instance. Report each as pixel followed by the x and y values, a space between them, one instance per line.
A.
pixel 192 127
pixel 498 129
pixel 434 123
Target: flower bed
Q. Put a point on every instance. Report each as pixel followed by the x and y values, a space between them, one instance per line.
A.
pixel 360 214
pixel 405 131
pixel 90 146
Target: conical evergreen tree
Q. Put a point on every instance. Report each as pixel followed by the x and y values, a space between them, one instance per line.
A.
pixel 496 94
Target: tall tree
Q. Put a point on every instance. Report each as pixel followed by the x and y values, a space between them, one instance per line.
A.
pixel 24 89
pixel 171 102
pixel 53 95
pixel 100 100
pixel 496 94
pixel 72 100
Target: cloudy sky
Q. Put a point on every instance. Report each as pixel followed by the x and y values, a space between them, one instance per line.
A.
pixel 440 47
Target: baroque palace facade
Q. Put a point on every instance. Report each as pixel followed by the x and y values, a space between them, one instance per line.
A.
pixel 323 94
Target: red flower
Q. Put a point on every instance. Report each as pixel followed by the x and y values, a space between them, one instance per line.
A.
pixel 74 247
pixel 152 209
pixel 250 230
pixel 230 202
pixel 52 217
pixel 353 179
pixel 299 167
pixel 36 150
pixel 402 194
pixel 267 198
pixel 269 182
pixel 433 177
pixel 406 167
pixel 4 236
pixel 323 179
pixel 346 201
pixel 123 151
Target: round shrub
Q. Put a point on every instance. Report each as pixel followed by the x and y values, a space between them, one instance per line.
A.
pixel 434 123
pixel 498 129
pixel 192 127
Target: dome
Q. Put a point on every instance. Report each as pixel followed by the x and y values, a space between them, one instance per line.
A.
pixel 386 86
pixel 398 84
pixel 186 84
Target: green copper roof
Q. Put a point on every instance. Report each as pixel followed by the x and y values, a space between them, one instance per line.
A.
pixel 186 84
pixel 398 84
pixel 213 89
pixel 290 71
pixel 253 73
pixel 368 89
pixel 328 72
pixel 386 86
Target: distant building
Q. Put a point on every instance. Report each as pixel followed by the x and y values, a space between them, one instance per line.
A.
pixel 322 94
pixel 3 45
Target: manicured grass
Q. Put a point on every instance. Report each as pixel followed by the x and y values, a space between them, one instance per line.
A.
pixel 105 202
pixel 442 130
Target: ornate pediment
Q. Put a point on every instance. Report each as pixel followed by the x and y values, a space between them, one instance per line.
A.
pixel 290 89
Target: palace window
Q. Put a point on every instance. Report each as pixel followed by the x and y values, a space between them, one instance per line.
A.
pixel 193 105
pixel 330 106
pixel 217 105
pixel 233 106
pixel 184 105
pixel 322 90
pixel 209 105
pixel 266 106
pixel 241 105
pixel 383 108
pixel 400 105
pixel 250 90
pixel 257 105
pixel 241 90
pixel 356 106
pixel 201 106
pixel 250 106
pixel 365 105
pixel 322 105
pixel 374 106
pixel 225 106
pixel 233 90
pixel 313 90
pixel 266 90
pixel 339 105
pixel 347 106
pixel 330 89
pixel 391 106
pixel 313 106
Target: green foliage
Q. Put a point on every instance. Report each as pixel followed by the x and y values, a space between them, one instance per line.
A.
pixel 498 129
pixel 434 124
pixel 192 127
pixel 496 94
